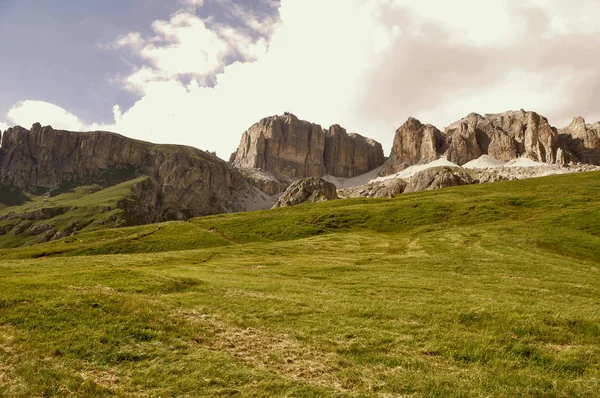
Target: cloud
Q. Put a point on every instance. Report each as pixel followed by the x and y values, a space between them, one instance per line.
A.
pixel 243 17
pixel 191 4
pixel 27 113
pixel 197 3
pixel 365 64
pixel 3 126
pixel 378 65
pixel 437 72
pixel 186 45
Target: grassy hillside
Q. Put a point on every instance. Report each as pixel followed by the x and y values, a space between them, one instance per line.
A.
pixel 36 219
pixel 489 290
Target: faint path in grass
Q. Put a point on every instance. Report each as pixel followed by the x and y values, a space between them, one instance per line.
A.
pixel 9 356
pixel 218 233
pixel 275 352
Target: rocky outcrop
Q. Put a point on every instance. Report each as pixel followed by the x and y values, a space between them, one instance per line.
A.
pixel 269 183
pixel 438 178
pixel 283 144
pixel 581 142
pixel 298 149
pixel 307 190
pixel 46 159
pixel 426 180
pixel 414 143
pixel 36 215
pixel 377 189
pixel 503 136
pixel 183 181
pixel 349 155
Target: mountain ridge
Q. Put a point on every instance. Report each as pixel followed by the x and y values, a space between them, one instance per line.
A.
pixel 160 182
pixel 503 136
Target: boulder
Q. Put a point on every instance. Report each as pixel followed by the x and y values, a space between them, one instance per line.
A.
pixel 307 190
pixel 437 178
pixel 378 189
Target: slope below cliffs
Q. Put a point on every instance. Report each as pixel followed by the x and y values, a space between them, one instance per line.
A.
pixel 184 182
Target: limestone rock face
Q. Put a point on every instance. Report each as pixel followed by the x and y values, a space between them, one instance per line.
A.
pixel 378 189
pixel 414 143
pixel 283 144
pixel 503 136
pixel 437 178
pixel 298 149
pixel 269 183
pixel 348 155
pixel 47 158
pixel 307 190
pixel 183 181
pixel 581 141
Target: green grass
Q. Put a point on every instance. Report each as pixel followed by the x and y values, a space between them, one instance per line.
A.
pixel 488 290
pixel 88 208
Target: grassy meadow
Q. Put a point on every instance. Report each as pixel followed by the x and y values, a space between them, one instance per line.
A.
pixel 84 209
pixel 487 291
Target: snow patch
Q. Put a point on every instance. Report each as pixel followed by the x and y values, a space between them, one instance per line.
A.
pixel 412 170
pixel 343 183
pixel 484 162
pixel 524 162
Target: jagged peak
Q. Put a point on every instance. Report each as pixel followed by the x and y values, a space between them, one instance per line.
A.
pixel 412 120
pixel 578 121
pixel 335 128
pixel 38 126
pixel 473 115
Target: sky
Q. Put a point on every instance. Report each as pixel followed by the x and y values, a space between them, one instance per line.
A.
pixel 201 72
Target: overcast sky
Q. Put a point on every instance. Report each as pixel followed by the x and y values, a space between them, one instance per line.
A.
pixel 200 72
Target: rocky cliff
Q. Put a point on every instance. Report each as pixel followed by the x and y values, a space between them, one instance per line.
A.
pixel 349 155
pixel 414 143
pixel 503 136
pixel 298 149
pixel 307 190
pixel 581 142
pixel 184 181
pixel 284 145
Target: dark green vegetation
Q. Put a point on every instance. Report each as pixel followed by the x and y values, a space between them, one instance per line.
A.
pixel 488 290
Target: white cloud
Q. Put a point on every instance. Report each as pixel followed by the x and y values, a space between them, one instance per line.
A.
pixel 27 113
pixel 365 64
pixel 192 4
pixel 132 40
pixel 186 45
pixel 244 16
pixel 142 80
pixel 3 126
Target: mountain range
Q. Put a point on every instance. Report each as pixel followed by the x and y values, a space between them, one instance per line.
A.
pixel 43 168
